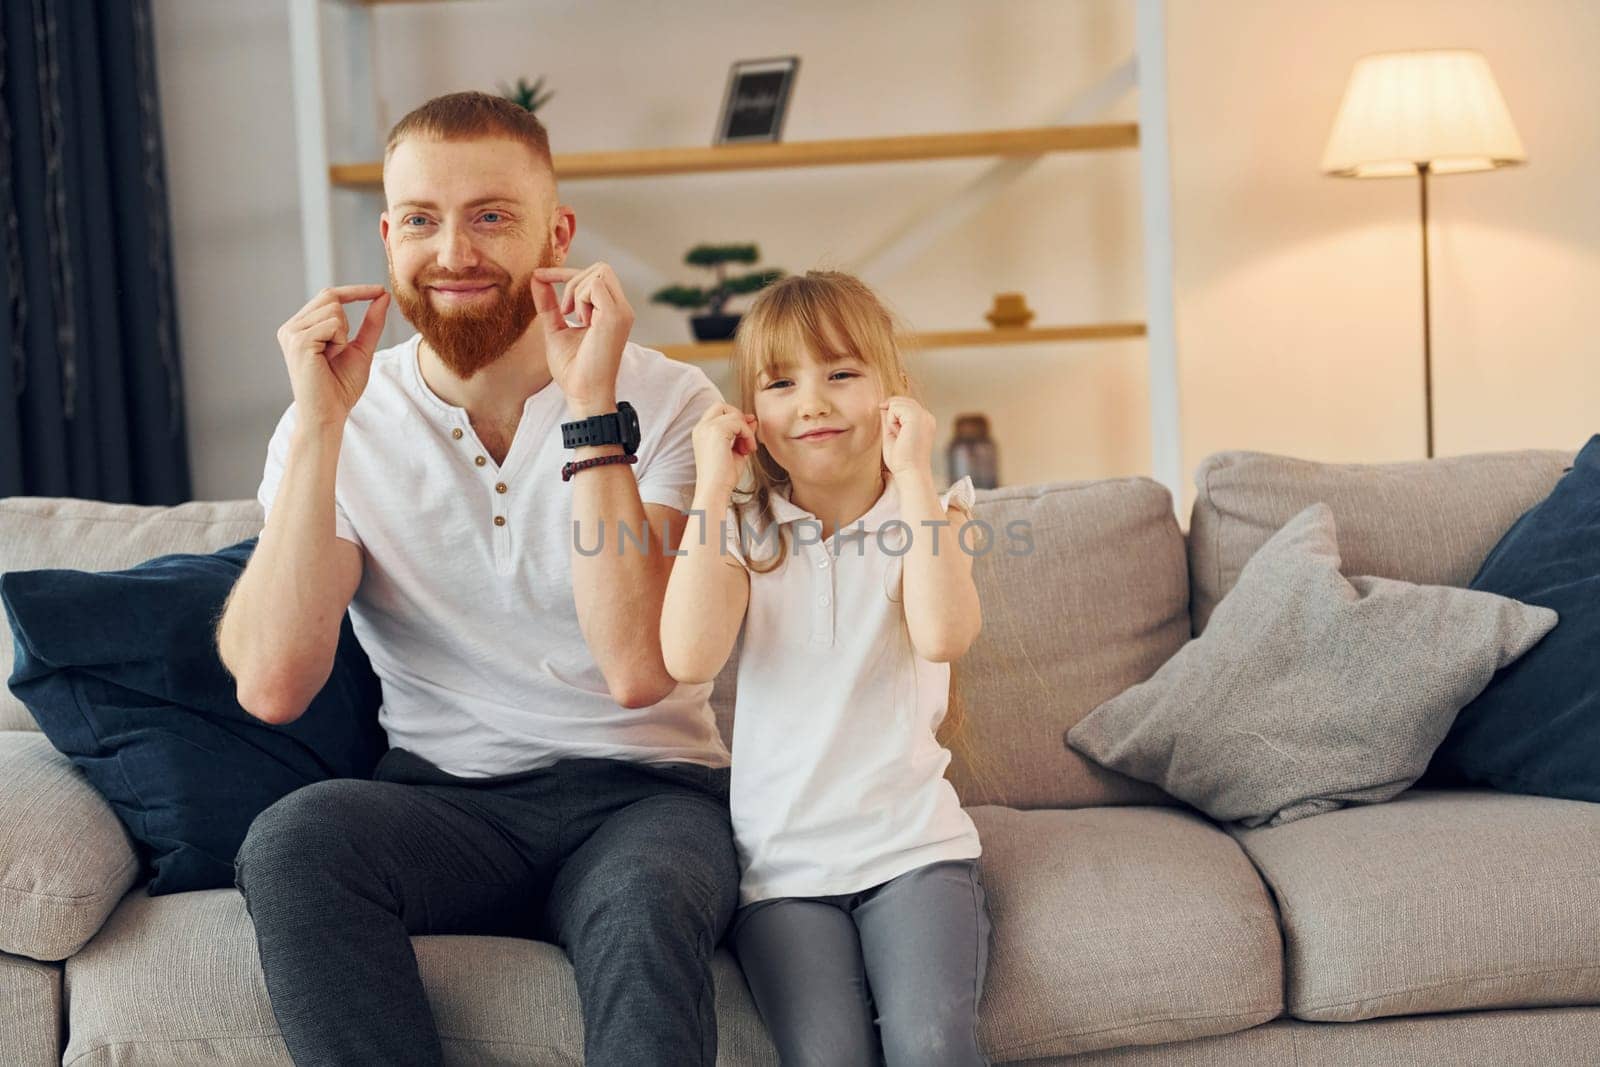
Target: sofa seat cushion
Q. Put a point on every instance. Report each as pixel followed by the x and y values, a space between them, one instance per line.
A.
pixel 1544 1037
pixel 65 860
pixel 1437 901
pixel 1121 926
pixel 30 1012
pixel 176 980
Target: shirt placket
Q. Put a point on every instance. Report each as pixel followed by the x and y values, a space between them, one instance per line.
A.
pixel 499 494
pixel 824 593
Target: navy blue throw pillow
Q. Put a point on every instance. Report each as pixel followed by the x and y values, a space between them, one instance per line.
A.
pixel 120 670
pixel 1536 727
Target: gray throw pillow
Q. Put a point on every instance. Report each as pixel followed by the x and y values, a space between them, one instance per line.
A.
pixel 1308 690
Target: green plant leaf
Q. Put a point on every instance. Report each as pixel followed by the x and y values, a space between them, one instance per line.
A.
pixel 751 283
pixel 713 255
pixel 681 296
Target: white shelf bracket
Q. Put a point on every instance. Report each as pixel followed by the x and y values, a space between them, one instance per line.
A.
pixel 1155 186
pixel 311 135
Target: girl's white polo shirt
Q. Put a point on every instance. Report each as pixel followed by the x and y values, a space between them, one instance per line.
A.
pixel 838 779
pixel 465 604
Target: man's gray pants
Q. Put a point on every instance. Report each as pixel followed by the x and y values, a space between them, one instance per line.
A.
pixel 628 867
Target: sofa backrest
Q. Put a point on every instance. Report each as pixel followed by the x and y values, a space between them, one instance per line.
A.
pixel 1096 605
pixel 1429 521
pixel 41 532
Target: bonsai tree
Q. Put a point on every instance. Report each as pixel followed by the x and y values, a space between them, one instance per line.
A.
pixel 528 97
pixel 716 258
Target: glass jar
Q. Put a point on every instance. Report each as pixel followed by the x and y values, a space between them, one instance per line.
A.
pixel 972 452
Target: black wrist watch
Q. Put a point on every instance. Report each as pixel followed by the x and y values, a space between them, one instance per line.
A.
pixel 619 427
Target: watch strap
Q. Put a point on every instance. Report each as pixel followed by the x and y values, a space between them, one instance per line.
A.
pixel 612 428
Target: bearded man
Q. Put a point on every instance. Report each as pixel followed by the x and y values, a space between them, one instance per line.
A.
pixel 546 777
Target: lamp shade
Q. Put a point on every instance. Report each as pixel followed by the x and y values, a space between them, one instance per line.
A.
pixel 1405 109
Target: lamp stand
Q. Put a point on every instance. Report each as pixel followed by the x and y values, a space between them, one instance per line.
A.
pixel 1427 316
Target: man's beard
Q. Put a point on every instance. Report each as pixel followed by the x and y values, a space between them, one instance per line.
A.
pixel 470 339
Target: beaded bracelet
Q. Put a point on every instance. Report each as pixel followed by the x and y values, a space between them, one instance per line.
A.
pixel 597 461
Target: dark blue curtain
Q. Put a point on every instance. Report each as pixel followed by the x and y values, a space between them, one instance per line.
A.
pixel 91 392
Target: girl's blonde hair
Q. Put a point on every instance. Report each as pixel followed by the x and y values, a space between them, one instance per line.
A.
pixel 831 315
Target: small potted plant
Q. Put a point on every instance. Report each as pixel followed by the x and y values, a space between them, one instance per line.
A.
pixel 716 324
pixel 528 97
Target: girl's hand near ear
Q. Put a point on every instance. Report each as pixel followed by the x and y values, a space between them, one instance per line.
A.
pixel 908 430
pixel 724 441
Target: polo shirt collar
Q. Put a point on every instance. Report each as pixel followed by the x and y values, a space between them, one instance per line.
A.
pixel 886 507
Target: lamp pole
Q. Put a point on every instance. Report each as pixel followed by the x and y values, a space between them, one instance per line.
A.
pixel 1427 313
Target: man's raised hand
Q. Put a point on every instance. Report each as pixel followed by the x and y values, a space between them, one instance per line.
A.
pixel 583 359
pixel 327 370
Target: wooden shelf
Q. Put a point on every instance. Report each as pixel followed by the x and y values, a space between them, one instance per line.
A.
pixel 657 161
pixel 1110 331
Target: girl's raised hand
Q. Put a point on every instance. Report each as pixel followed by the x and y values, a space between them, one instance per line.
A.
pixel 908 430
pixel 724 441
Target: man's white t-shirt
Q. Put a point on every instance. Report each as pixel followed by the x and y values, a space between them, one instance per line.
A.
pixel 470 622
pixel 838 779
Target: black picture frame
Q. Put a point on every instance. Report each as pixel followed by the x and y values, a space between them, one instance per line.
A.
pixel 756 100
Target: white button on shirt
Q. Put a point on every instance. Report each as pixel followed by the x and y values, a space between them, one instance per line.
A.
pixel 838 780
pixel 465 605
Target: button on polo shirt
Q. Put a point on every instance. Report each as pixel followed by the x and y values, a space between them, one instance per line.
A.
pixel 465 604
pixel 838 780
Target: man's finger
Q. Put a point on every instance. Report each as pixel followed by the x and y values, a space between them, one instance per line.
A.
pixel 577 291
pixel 317 333
pixel 372 325
pixel 547 308
pixel 572 290
pixel 555 275
pixel 600 297
pixel 613 287
pixel 350 294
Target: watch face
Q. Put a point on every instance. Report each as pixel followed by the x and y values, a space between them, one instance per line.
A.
pixel 630 425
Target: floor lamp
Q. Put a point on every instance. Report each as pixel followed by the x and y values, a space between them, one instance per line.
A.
pixel 1421 113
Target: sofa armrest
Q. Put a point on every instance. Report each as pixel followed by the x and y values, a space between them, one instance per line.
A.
pixel 65 860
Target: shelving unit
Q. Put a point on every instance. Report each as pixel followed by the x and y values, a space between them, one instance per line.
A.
pixel 1111 331
pixel 651 162
pixel 319 176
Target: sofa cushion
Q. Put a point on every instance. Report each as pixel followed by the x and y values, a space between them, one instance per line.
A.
pixel 1121 926
pixel 176 980
pixel 65 860
pixel 1536 729
pixel 37 532
pixel 30 1005
pixel 120 669
pixel 1530 1038
pixel 1437 901
pixel 1095 600
pixel 1309 690
pixel 1430 522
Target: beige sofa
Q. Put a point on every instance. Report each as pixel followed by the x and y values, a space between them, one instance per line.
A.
pixel 1440 928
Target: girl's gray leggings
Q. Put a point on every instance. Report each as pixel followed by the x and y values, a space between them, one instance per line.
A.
pixel 894 971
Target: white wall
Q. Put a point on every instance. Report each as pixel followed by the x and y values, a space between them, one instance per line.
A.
pixel 223 70
pixel 1299 296
pixel 1298 302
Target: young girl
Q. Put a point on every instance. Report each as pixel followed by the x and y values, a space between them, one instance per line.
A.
pixel 862 925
